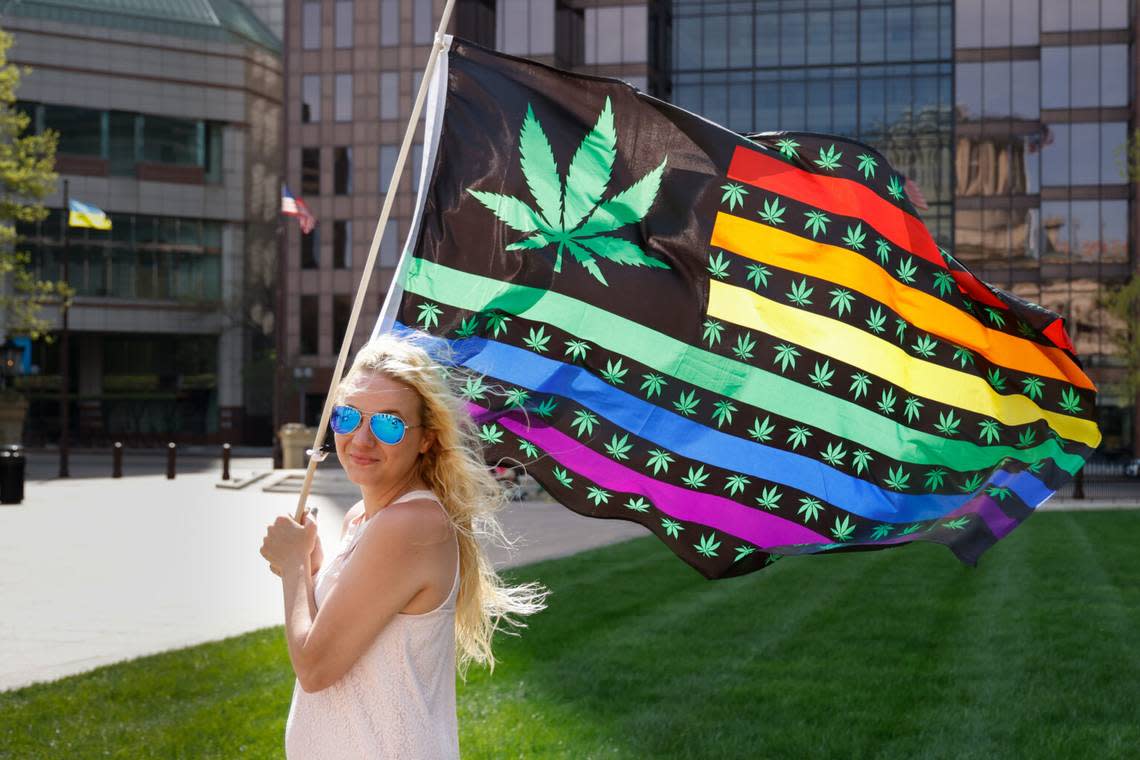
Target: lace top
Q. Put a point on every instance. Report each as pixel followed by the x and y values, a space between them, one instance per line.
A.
pixel 398 699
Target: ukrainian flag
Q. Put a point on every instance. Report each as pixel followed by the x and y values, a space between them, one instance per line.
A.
pixel 84 215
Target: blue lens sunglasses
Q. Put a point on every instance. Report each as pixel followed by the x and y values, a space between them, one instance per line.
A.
pixel 387 427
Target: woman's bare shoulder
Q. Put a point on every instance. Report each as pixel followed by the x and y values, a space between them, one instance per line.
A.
pixel 420 520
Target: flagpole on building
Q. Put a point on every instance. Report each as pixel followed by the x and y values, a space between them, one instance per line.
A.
pixel 373 250
pixel 64 369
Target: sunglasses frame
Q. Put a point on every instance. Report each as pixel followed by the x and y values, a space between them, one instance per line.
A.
pixel 371 429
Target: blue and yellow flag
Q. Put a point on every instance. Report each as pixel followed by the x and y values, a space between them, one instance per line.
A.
pixel 85 215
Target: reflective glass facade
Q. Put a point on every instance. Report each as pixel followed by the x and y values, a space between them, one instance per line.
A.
pixel 880 71
pixel 1043 108
pixel 141 257
pixel 118 142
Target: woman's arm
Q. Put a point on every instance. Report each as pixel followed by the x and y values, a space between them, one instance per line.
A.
pixel 392 562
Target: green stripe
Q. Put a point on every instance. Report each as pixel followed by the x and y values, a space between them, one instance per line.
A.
pixel 714 373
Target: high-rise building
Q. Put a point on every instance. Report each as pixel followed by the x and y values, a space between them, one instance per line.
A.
pixel 1044 103
pixel 169 120
pixel 1007 115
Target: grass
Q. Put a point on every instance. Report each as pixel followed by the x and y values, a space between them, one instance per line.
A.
pixel 901 653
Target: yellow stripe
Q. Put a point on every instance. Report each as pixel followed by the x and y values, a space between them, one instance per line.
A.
pixel 762 242
pixel 853 346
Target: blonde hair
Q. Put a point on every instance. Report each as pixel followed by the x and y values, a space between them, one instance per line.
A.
pixel 455 470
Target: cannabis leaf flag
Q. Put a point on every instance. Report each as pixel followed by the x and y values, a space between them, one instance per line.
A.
pixel 752 347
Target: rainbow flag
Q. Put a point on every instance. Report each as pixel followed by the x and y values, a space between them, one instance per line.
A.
pixel 751 346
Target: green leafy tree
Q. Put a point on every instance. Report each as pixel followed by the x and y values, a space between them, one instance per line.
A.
pixel 27 176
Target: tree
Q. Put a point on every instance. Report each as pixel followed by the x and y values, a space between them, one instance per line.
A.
pixel 27 176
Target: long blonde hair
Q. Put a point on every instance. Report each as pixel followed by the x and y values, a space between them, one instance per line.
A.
pixel 455 470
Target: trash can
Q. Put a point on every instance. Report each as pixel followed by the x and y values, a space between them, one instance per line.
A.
pixel 12 464
pixel 296 439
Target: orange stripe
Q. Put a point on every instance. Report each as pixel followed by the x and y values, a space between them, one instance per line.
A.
pixel 845 197
pixel 786 250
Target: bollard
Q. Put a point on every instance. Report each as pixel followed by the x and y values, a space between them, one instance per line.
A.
pixel 1079 484
pixel 225 461
pixel 117 460
pixel 171 450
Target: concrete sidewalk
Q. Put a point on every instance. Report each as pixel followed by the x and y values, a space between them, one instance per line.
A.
pixel 101 570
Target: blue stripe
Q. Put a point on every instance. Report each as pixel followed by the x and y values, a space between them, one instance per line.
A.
pixel 696 441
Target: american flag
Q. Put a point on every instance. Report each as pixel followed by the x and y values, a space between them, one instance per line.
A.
pixel 291 206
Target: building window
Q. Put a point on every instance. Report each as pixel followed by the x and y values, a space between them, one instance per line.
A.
pixel 390 95
pixel 1082 15
pixel 310 171
pixel 1085 230
pixel 310 98
pixel 342 107
pixel 80 129
pixel 525 27
pixel 620 35
pixel 342 171
pixel 390 245
pixel 310 325
pixel 389 23
pixel 342 310
pixel 417 80
pixel 124 139
pixel 311 26
pixel 343 24
pixel 1083 154
pixel 1072 72
pixel 311 249
pixel 169 258
pixel 388 155
pixel 342 244
pixel 422 26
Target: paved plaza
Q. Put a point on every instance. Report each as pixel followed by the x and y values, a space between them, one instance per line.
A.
pixel 100 570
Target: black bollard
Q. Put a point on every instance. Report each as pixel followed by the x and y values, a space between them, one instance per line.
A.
pixel 117 460
pixel 171 453
pixel 225 461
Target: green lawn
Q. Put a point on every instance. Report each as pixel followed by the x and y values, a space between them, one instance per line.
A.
pixel 902 653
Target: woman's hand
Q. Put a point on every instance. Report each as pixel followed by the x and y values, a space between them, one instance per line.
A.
pixel 287 542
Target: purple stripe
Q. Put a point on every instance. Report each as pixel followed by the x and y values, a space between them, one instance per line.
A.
pixel 753 525
pixel 988 508
pixel 998 521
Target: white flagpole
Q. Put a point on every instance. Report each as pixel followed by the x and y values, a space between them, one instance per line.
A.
pixel 315 455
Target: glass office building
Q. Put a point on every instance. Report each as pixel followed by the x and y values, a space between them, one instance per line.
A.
pixel 1044 104
pixel 880 71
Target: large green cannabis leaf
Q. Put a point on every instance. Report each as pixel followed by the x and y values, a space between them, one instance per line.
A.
pixel 571 215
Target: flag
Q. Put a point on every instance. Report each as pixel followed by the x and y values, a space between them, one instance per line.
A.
pixel 291 206
pixel 752 347
pixel 81 214
pixel 915 196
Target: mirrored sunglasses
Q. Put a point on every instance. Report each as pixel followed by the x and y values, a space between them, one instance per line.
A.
pixel 387 427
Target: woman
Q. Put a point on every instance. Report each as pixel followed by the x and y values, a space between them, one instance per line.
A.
pixel 375 636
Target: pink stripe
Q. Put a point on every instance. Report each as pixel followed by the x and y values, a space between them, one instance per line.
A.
pixel 752 525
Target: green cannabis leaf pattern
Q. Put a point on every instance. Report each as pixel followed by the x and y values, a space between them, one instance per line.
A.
pixel 571 215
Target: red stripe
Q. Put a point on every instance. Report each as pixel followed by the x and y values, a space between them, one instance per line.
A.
pixel 845 197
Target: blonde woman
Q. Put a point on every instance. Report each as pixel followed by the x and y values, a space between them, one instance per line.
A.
pixel 377 633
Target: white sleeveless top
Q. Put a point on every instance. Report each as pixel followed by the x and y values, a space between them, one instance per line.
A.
pixel 398 699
